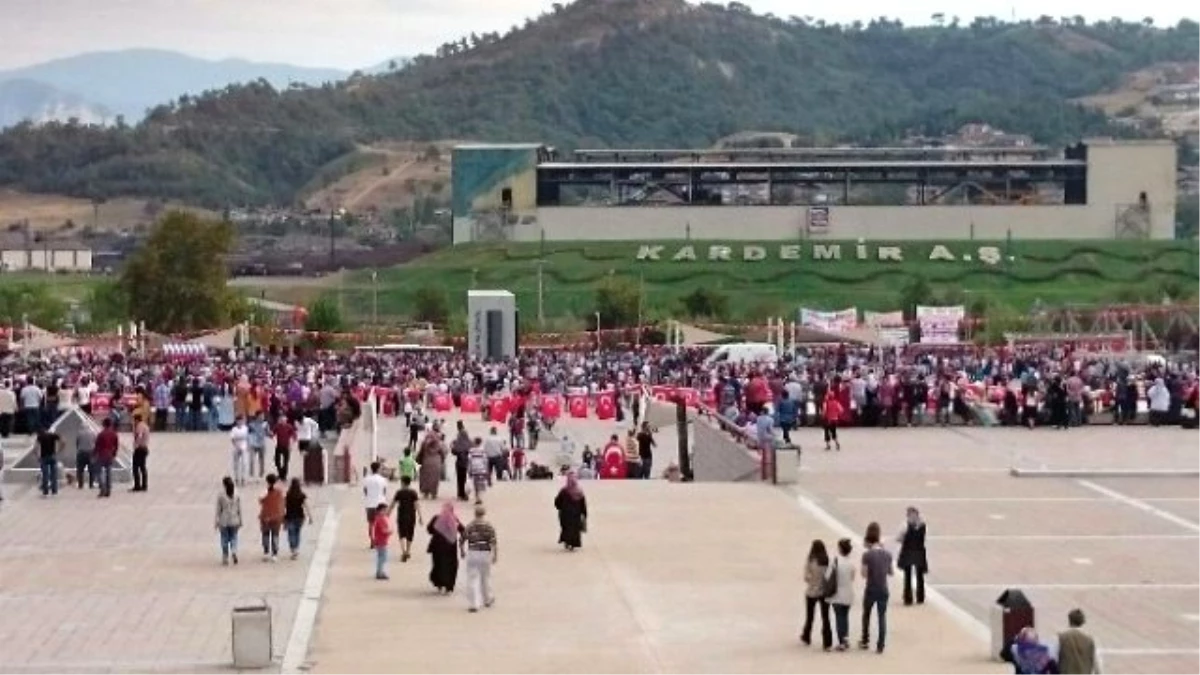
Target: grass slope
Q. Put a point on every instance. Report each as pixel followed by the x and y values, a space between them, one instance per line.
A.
pixel 1054 272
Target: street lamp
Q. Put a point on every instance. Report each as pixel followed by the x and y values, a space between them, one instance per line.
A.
pixel 597 332
pixel 374 298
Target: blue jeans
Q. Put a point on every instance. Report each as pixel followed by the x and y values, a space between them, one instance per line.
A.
pixel 270 538
pixel 229 542
pixel 879 600
pixel 49 476
pixel 380 562
pixel 33 420
pixel 195 420
pixel 104 477
pixel 841 619
pixel 293 534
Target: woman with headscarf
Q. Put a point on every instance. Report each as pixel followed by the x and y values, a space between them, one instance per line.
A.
pixel 431 457
pixel 1030 656
pixel 572 513
pixel 912 558
pixel 444 532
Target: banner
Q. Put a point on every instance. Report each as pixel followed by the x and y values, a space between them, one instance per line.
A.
pixel 883 319
pixel 939 325
pixel 832 322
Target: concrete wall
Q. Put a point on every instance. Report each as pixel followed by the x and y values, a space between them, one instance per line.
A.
pixel 1119 171
pixel 67 260
pixel 786 223
pixel 479 303
pixel 716 457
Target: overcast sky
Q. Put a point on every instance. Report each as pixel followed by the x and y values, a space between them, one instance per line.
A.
pixel 353 33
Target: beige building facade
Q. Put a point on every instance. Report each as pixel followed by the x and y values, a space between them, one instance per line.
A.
pixel 1131 193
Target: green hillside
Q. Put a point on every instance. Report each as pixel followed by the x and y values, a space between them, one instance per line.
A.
pixel 624 73
pixel 1053 272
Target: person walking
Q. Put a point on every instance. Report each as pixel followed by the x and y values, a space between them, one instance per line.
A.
pixel 572 513
pixel 831 416
pixel 381 534
pixel 256 457
pixel 913 558
pixel 107 446
pixel 406 504
pixel 285 434
pixel 479 547
pixel 85 451
pixel 876 570
pixel 141 452
pixel 239 441
pixel 374 489
pixel 461 449
pixel 270 519
pixel 840 578
pixel 786 415
pixel 646 445
pixel 295 515
pixel 49 444
pixel 228 520
pixel 8 409
pixel 1076 651
pixel 816 594
pixel 431 457
pixel 445 531
pixel 479 465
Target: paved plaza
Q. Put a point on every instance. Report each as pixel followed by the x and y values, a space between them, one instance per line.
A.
pixel 672 577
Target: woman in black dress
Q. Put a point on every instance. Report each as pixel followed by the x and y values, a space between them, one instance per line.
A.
pixel 444 530
pixel 572 513
pixel 913 558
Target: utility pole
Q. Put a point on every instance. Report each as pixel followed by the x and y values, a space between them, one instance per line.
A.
pixel 541 264
pixel 637 336
pixel 374 299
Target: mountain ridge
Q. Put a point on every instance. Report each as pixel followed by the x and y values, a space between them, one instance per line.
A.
pixel 613 73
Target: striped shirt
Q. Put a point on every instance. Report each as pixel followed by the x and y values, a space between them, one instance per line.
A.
pixel 480 536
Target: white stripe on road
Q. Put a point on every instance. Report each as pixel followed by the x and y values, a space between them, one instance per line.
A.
pixel 1070 587
pixel 971 500
pixel 310 601
pixel 1140 505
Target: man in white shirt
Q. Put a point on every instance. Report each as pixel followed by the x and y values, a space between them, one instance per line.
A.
pixel 239 438
pixel 493 447
pixel 306 433
pixel 8 409
pixel 374 489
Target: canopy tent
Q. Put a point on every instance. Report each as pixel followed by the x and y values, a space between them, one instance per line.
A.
pixel 41 340
pixel 223 339
pixel 691 336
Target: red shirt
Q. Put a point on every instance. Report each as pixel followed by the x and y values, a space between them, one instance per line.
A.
pixel 381 530
pixel 107 443
pixel 285 433
pixel 833 409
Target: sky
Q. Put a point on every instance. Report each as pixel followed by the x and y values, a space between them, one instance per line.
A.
pixel 351 34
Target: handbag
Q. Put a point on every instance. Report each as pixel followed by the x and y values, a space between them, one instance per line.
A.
pixel 829 587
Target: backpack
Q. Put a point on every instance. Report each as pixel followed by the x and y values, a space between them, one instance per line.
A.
pixel 829 587
pixel 478 464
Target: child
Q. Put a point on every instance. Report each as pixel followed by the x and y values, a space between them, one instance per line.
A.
pixel 381 532
pixel 408 514
pixel 518 464
pixel 408 466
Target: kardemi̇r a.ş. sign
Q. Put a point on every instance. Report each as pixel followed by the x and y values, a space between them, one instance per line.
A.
pixel 988 255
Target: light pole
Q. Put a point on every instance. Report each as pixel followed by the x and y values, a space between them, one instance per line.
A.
pixel 597 332
pixel 541 264
pixel 374 298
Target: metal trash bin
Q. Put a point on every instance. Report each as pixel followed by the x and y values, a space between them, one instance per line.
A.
pixel 1009 615
pixel 252 638
pixel 787 465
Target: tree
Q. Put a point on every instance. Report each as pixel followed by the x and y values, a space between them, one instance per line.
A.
pixel 430 304
pixel 107 306
pixel 916 291
pixel 177 280
pixel 323 316
pixel 703 302
pixel 35 303
pixel 617 301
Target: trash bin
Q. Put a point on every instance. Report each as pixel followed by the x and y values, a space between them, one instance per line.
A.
pixel 1010 614
pixel 252 646
pixel 787 465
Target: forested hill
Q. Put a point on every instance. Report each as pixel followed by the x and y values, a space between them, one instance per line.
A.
pixel 612 73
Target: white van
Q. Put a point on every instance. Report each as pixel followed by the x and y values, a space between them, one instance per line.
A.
pixel 742 353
